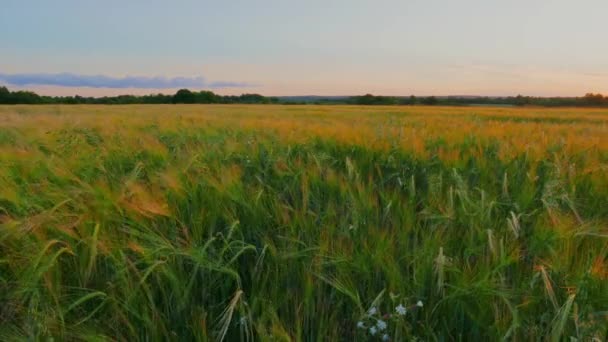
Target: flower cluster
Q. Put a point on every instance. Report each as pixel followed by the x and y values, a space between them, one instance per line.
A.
pixel 376 325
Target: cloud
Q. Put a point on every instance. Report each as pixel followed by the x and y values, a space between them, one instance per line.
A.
pixel 101 81
pixel 225 84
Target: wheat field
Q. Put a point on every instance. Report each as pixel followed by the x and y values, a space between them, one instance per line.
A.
pixel 303 223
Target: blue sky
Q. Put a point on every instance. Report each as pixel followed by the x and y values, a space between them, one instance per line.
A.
pixel 535 47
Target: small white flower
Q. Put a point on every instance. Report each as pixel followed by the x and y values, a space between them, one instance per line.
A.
pixel 360 325
pixel 372 311
pixel 419 304
pixel 381 325
pixel 385 337
pixel 401 310
pixel 372 330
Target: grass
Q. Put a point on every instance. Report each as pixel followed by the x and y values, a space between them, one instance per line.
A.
pixel 292 222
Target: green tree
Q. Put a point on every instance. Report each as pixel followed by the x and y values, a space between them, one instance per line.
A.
pixel 593 99
pixel 206 97
pixel 430 101
pixel 25 97
pixel 521 100
pixel 4 95
pixel 184 96
pixel 4 91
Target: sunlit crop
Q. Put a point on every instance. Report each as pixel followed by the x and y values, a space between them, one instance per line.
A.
pixel 233 222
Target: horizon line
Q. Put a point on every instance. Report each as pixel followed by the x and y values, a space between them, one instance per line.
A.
pixel 8 86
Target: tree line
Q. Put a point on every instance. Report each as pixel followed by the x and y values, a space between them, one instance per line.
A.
pixel 589 100
pixel 207 97
pixel 181 96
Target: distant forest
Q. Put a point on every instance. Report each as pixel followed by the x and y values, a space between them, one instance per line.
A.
pixel 207 97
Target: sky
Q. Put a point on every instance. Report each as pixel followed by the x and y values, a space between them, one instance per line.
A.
pixel 312 47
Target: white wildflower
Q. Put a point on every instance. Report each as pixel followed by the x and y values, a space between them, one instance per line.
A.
pixel 372 311
pixel 419 304
pixel 401 310
pixel 385 337
pixel 372 331
pixel 360 325
pixel 381 325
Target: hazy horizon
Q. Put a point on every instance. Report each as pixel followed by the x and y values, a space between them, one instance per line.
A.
pixel 325 48
pixel 103 92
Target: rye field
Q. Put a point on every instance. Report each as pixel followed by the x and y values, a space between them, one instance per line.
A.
pixel 303 223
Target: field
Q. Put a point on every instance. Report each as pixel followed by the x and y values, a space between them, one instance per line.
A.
pixel 303 223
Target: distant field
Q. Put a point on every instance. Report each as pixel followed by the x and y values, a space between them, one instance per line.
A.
pixel 303 223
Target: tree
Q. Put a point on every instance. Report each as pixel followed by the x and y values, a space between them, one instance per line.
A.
pixel 206 97
pixel 253 98
pixel 4 95
pixel 521 100
pixel 430 101
pixel 593 99
pixel 369 99
pixel 184 96
pixel 24 97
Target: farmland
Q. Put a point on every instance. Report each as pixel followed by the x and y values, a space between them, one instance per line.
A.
pixel 303 223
